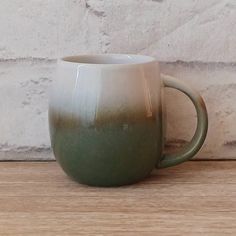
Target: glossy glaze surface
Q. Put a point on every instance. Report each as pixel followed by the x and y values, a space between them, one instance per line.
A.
pixel 105 121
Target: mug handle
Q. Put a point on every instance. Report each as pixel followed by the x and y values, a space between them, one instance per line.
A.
pixel 202 124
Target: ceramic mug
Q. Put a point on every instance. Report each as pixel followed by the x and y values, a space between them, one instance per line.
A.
pixel 106 118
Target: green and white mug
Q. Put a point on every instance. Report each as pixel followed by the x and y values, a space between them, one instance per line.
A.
pixel 106 118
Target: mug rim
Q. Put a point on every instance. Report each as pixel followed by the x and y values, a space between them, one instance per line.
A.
pixel 107 59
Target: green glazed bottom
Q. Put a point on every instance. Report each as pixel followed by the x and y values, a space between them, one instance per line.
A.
pixel 108 155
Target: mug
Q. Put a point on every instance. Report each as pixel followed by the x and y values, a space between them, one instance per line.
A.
pixel 106 118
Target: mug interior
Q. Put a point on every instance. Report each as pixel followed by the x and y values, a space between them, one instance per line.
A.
pixel 109 59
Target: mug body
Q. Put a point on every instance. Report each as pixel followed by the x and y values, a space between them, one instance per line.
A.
pixel 105 118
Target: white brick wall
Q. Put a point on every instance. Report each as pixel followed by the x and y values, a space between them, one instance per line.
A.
pixel 195 39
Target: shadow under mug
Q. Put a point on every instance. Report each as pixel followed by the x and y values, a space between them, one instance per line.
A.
pixel 106 118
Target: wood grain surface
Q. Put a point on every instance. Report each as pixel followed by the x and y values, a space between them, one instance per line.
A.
pixel 195 198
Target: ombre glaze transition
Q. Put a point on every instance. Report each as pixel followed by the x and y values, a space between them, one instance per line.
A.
pixel 105 117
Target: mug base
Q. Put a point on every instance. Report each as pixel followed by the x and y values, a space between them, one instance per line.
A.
pixel 108 184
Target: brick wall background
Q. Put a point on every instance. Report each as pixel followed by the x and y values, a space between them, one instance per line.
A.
pixel 194 39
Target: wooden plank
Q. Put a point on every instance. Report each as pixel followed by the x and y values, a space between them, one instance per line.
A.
pixel 36 198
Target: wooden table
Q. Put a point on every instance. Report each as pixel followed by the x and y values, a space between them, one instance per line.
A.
pixel 195 198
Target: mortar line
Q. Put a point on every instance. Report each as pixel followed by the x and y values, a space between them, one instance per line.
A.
pixel 177 62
